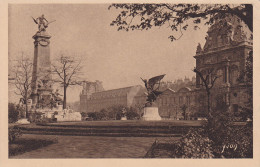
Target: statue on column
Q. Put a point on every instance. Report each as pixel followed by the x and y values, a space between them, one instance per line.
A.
pixel 42 23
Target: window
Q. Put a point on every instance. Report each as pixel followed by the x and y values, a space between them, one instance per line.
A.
pixel 234 74
pixel 220 76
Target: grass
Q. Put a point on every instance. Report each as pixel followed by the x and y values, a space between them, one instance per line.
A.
pixel 88 147
pixel 22 145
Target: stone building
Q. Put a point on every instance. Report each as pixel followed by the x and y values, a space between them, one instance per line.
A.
pixel 92 100
pixel 227 46
pixel 224 54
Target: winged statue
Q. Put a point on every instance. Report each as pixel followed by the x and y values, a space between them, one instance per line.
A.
pixel 153 86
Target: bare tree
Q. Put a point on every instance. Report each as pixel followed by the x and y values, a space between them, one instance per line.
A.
pixel 23 78
pixel 67 70
pixel 208 85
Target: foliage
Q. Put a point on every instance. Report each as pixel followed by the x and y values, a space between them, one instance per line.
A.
pixel 223 133
pixel 84 114
pixel 132 115
pixel 46 120
pixel 193 145
pixel 218 138
pixel 14 112
pixel 177 16
pixel 67 70
pixel 96 116
pixel 13 133
pixel 38 117
pixel 219 126
pixel 115 112
pixel 200 113
pixel 246 77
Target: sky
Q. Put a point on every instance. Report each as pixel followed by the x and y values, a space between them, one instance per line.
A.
pixel 117 58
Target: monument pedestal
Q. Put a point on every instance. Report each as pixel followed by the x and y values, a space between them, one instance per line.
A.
pixel 151 114
pixel 123 118
pixel 23 121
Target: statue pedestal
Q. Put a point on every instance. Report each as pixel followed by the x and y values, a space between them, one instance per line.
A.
pixel 123 118
pixel 151 114
pixel 23 121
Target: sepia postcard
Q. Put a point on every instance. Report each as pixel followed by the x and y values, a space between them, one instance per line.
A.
pixel 123 83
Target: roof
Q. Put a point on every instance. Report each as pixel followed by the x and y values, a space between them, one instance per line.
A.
pixel 117 92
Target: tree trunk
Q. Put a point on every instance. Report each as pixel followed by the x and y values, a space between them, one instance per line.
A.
pixel 208 93
pixel 26 107
pixel 64 97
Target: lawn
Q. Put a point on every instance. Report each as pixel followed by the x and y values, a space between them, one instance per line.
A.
pixel 87 146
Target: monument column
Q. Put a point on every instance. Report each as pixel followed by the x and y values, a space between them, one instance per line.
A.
pixel 41 76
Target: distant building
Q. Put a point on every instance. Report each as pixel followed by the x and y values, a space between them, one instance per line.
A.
pixel 92 100
pixel 227 46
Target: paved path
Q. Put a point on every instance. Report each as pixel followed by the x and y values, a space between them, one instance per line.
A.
pixel 91 147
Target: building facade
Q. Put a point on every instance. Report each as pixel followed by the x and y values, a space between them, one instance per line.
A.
pixel 223 57
pixel 93 100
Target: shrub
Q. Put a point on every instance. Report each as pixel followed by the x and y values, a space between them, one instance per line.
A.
pixel 13 133
pixel 46 120
pixel 36 117
pixel 84 114
pixel 193 145
pixel 119 115
pixel 238 143
pixel 224 134
pixel 13 113
pixel 219 138
pixel 131 115
pixel 96 115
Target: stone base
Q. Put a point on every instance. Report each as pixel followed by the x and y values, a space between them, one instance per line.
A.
pixel 151 114
pixel 123 118
pixel 73 116
pixel 23 121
